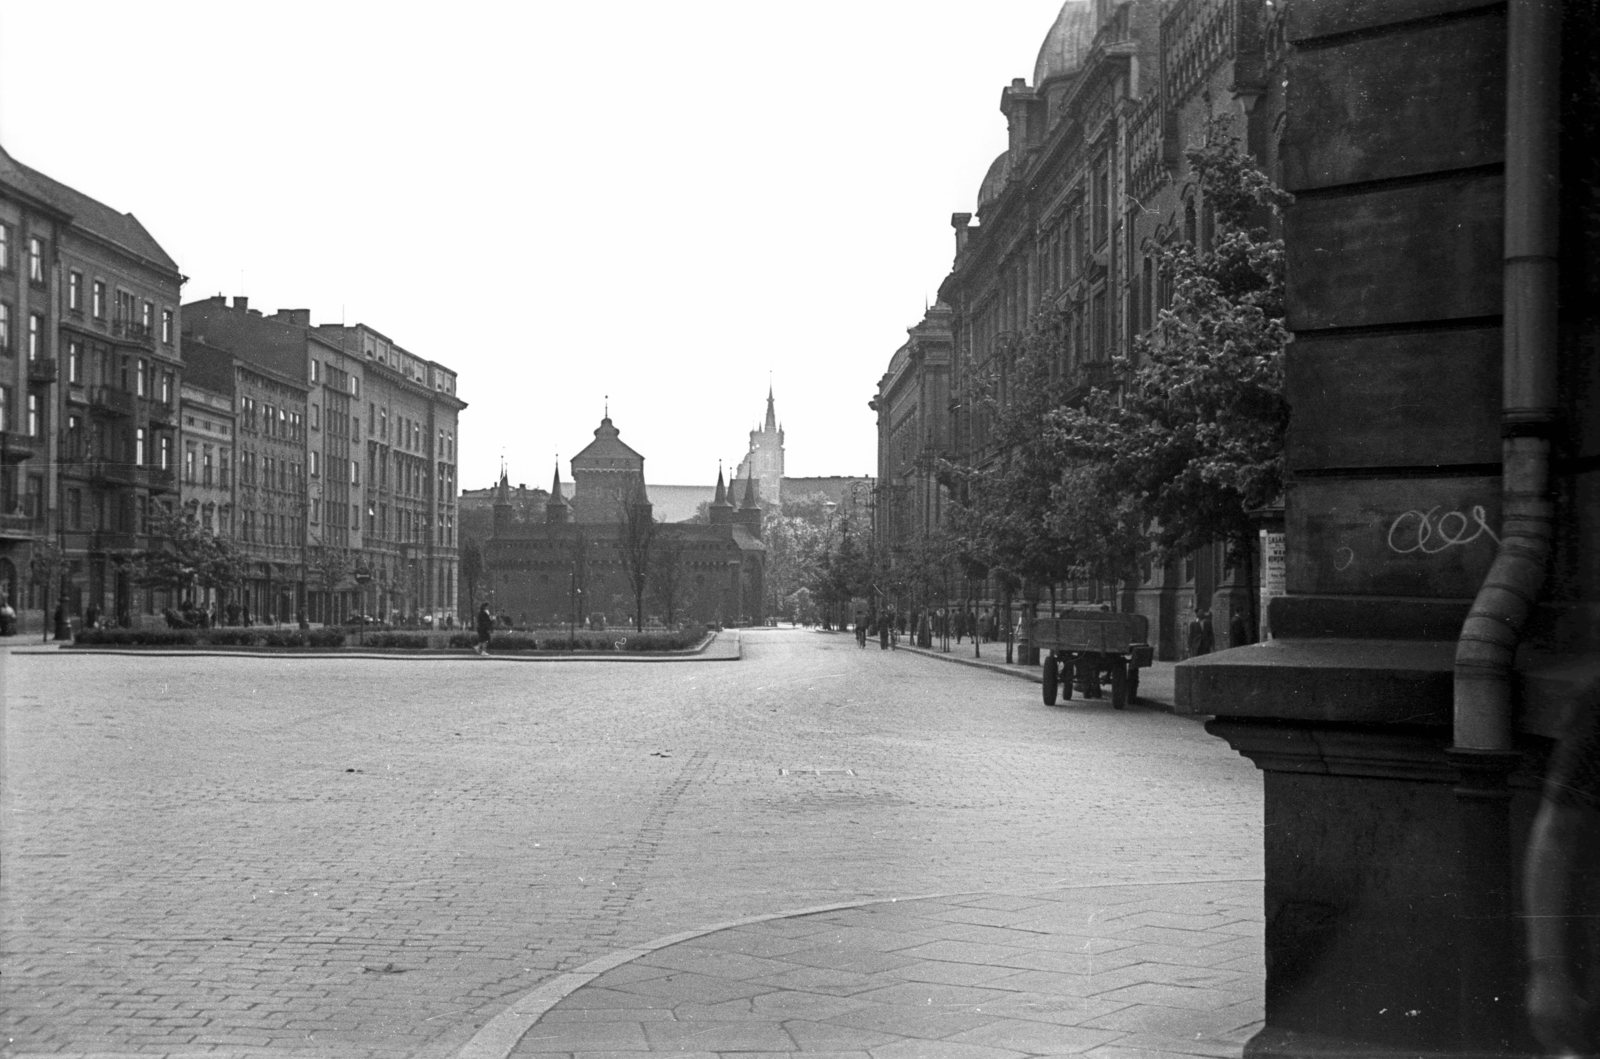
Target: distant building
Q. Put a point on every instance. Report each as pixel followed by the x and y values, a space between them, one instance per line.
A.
pixel 764 461
pixel 570 566
pixel 207 428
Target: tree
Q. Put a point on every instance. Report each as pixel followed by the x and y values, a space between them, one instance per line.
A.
pixel 46 563
pixel 185 556
pixel 1194 439
pixel 473 570
pixel 329 570
pixel 636 535
pixel 668 584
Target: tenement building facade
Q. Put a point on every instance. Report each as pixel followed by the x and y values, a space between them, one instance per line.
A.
pixel 361 435
pixel 90 369
pixel 1070 217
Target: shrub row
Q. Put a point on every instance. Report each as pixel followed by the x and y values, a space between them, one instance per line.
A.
pixel 509 642
pixel 223 637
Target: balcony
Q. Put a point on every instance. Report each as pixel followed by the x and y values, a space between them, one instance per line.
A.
pixel 113 542
pixel 160 480
pixel 20 526
pixel 134 333
pixel 42 370
pixel 160 414
pixel 112 472
pixel 110 401
pixel 15 446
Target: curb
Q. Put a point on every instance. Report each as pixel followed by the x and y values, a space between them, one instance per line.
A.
pixel 500 1035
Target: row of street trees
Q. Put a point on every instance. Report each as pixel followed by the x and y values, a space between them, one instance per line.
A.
pixel 1172 451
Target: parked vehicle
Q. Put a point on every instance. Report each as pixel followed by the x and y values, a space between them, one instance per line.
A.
pixel 1089 649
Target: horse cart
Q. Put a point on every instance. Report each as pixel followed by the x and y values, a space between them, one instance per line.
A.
pixel 1090 649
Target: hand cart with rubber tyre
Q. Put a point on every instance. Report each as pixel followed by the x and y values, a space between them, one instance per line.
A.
pixel 1092 649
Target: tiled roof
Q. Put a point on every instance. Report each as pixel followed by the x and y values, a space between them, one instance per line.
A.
pixel 87 213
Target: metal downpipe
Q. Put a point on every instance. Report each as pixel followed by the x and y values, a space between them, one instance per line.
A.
pixel 1487 645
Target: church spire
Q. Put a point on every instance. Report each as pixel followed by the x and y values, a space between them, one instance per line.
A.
pixel 772 418
pixel 556 509
pixel 722 492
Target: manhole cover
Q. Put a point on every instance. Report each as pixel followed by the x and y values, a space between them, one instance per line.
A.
pixel 816 772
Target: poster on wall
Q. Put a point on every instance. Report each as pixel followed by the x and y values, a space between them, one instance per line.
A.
pixel 1273 576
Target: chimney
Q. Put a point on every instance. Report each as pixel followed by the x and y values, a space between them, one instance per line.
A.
pixel 240 302
pixel 298 317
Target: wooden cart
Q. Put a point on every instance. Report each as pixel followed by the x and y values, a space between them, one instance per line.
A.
pixel 1089 649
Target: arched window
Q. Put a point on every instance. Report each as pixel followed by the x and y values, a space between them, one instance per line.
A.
pixel 1189 222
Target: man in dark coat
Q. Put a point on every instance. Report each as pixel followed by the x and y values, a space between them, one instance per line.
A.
pixel 485 629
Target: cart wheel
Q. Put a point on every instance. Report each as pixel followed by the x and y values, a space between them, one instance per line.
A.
pixel 1119 684
pixel 1050 679
pixel 1133 683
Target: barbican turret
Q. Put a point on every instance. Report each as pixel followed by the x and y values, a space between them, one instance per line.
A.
pixel 721 507
pixel 557 509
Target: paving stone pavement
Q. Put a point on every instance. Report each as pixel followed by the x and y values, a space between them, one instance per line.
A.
pixel 329 858
pixel 1107 972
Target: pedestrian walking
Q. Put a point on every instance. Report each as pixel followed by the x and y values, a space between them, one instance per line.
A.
pixel 1238 631
pixel 485 629
pixel 1207 636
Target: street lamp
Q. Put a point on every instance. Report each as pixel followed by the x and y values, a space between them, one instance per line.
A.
pixel 362 577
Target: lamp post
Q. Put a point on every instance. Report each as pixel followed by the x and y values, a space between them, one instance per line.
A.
pixel 362 577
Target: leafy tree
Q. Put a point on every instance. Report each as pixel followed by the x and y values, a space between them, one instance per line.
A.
pixel 1194 438
pixel 186 556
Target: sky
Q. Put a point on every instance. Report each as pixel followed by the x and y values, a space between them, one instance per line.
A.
pixel 667 206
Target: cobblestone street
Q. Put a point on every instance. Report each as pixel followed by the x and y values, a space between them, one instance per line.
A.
pixel 315 857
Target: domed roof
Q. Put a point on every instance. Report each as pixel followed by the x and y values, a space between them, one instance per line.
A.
pixel 994 181
pixel 1067 42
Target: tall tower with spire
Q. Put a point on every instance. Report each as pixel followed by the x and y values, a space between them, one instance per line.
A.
pixel 764 461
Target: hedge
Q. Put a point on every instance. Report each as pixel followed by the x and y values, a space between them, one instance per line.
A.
pixel 586 641
pixel 221 637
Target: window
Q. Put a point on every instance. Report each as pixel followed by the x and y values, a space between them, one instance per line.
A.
pixel 98 299
pixel 206 465
pixel 75 361
pixel 316 416
pixel 5 248
pixel 35 417
pixel 138 446
pixel 140 373
pixel 5 329
pixel 355 429
pixel 35 336
pixel 188 463
pixel 1101 203
pixel 75 291
pixel 316 464
pixel 167 326
pixel 355 473
pixel 355 386
pixel 147 318
pixel 7 413
pixel 74 437
pixel 316 370
pixel 224 457
pixel 75 508
pixel 372 419
pixel 166 391
pixel 35 259
pixel 166 452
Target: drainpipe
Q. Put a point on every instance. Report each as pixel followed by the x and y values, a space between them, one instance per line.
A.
pixel 1488 642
